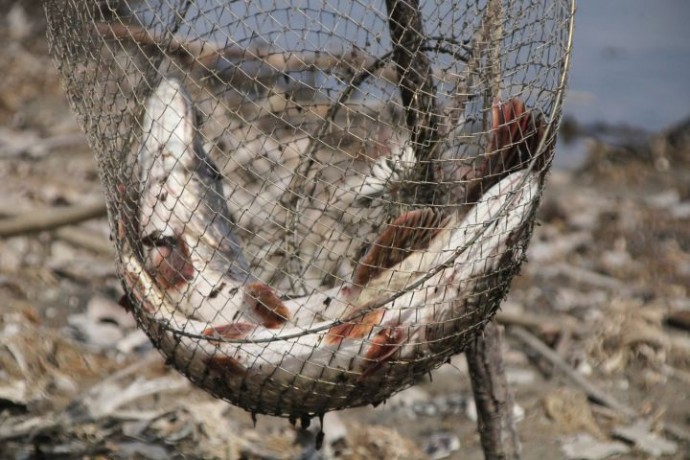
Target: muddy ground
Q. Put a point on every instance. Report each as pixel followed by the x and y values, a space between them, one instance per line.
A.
pixel 605 286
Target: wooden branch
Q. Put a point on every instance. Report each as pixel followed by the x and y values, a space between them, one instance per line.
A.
pixel 416 90
pixel 589 388
pixel 187 49
pixel 492 23
pixel 50 219
pixel 87 240
pixel 35 147
pixel 584 276
pixel 527 320
pixel 75 236
pixel 492 395
pixel 592 391
pixel 197 51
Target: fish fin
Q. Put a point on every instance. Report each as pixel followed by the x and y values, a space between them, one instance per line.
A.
pixel 515 137
pixel 412 231
pixel 266 305
pixel 231 331
pixel 354 329
pixel 382 346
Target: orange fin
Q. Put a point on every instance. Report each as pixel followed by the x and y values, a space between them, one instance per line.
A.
pixel 527 130
pixel 412 231
pixel 515 136
pixel 266 305
pixel 232 331
pixel 383 345
pixel 356 329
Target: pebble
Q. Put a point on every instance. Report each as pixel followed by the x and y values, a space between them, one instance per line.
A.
pixel 425 408
pixel 407 399
pixel 138 449
pixel 18 22
pixel 520 376
pixel 586 447
pixel 640 434
pixel 440 406
pixel 441 445
pixel 681 211
pixel 663 200
pixel 106 325
pixel 135 341
pixel 471 411
pixel 519 413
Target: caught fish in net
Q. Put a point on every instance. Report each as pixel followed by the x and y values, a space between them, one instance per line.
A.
pixel 314 204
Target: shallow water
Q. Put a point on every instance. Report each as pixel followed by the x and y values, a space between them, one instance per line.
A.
pixel 631 63
pixel 630 66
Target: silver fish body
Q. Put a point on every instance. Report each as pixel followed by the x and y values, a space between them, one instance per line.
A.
pixel 349 345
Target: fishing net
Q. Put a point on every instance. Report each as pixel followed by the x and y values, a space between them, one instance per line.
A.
pixel 314 203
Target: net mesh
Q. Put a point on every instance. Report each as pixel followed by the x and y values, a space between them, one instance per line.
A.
pixel 315 202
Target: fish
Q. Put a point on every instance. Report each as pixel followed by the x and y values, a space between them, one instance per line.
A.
pixel 401 311
pixel 338 174
pixel 187 232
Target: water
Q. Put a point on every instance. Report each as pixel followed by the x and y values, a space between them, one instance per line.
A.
pixel 630 66
pixel 631 63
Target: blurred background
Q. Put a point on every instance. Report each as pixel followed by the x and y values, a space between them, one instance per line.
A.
pixel 630 67
pixel 631 63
